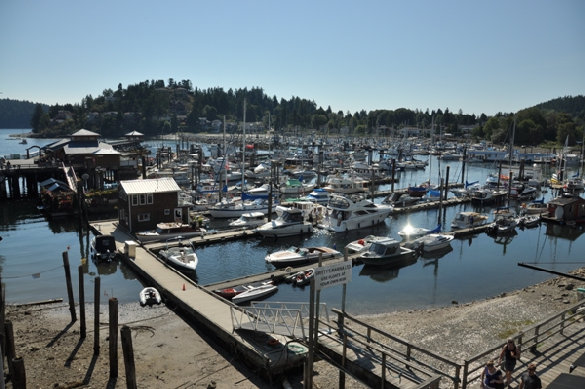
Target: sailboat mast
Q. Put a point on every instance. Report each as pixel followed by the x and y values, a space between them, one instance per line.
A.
pixel 243 146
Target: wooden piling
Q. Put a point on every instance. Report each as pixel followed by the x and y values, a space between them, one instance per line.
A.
pixel 10 349
pixel 69 286
pixel 82 328
pixel 113 314
pixel 19 376
pixel 128 355
pixel 96 317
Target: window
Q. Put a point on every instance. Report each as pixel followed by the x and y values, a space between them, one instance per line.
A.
pixel 149 198
pixel 134 200
pixel 142 198
pixel 144 217
pixel 167 212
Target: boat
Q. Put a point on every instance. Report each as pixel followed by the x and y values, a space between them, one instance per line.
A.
pixel 345 185
pixel 294 186
pixel 362 244
pixel 255 292
pixel 149 296
pixel 529 221
pixel 103 248
pixel 232 209
pixel 23 141
pixel 318 195
pixel 295 256
pixel 386 252
pixel 351 213
pixel 290 222
pixel 170 230
pixel 399 199
pixel 303 278
pixel 486 196
pixel 418 190
pixel 535 207
pixel 435 242
pixel 409 232
pixel 230 292
pixel 181 256
pixel 249 220
pixel 505 221
pixel 468 219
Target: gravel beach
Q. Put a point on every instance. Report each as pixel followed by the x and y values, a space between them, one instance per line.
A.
pixel 169 353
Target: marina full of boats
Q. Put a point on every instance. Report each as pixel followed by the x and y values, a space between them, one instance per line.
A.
pixel 438 259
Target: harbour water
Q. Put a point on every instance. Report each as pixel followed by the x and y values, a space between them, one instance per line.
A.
pixel 477 267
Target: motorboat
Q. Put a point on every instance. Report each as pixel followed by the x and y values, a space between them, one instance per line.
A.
pixel 399 199
pixel 295 256
pixel 170 230
pixel 290 222
pixel 318 195
pixel 303 278
pixel 351 213
pixel 529 221
pixel 386 252
pixel 255 292
pixel 230 292
pixel 536 207
pixel 181 256
pixel 409 232
pixel 294 186
pixel 149 296
pixel 486 196
pixel 103 248
pixel 468 219
pixel 362 244
pixel 417 190
pixel 435 242
pixel 504 225
pixel 345 185
pixel 249 220
pixel 233 209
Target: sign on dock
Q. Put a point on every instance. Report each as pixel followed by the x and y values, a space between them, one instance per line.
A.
pixel 339 273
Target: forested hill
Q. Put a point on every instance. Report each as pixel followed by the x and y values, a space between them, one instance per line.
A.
pixel 16 113
pixel 574 106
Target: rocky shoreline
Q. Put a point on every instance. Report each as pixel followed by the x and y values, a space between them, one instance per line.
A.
pixel 170 353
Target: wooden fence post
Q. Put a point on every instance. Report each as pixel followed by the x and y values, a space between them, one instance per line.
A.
pixel 96 317
pixel 113 303
pixel 69 286
pixel 128 354
pixel 82 328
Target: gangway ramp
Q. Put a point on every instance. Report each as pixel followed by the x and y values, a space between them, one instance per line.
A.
pixel 286 319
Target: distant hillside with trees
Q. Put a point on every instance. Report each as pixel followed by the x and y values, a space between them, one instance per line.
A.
pixel 17 114
pixel 157 107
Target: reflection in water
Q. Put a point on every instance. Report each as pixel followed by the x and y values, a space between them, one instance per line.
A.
pixel 564 231
pixel 436 254
pixel 386 273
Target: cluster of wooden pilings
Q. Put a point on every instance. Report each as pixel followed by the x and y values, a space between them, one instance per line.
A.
pixel 16 365
pixel 23 182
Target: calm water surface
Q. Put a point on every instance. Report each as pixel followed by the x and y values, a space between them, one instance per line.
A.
pixel 477 267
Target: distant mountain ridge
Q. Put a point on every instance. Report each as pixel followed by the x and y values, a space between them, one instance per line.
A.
pixel 16 113
pixel 574 106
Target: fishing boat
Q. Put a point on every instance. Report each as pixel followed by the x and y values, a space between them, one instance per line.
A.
pixel 253 292
pixel 103 248
pixel 149 296
pixel 296 256
pixel 468 219
pixel 181 256
pixel 386 252
pixel 289 223
pixel 351 213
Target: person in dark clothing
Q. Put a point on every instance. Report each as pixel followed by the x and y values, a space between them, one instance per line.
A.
pixel 491 378
pixel 509 355
pixel 530 380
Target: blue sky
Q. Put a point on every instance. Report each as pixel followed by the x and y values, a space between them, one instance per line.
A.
pixel 477 56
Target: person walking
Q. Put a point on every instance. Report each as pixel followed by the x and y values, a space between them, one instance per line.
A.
pixel 509 355
pixel 491 378
pixel 530 380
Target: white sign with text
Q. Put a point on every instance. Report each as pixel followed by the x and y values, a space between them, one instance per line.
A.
pixel 332 275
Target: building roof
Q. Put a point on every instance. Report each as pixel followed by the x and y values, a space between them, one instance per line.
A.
pixel 84 132
pixel 88 147
pixel 134 133
pixel 152 185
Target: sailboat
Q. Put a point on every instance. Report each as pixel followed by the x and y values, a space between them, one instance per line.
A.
pixel 234 208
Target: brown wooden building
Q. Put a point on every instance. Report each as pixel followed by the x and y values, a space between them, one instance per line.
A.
pixel 566 209
pixel 144 203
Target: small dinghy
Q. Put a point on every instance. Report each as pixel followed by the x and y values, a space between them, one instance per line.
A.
pixel 149 296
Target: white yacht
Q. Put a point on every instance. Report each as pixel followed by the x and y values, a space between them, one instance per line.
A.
pixel 290 222
pixel 351 213
pixel 249 220
pixel 233 209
